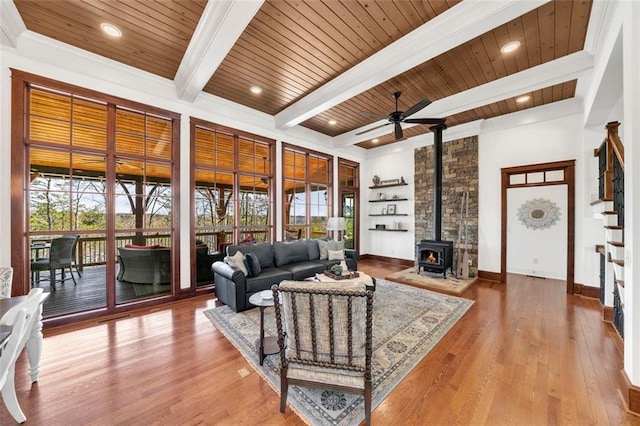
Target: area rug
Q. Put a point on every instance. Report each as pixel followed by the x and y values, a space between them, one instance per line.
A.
pixel 450 285
pixel 407 323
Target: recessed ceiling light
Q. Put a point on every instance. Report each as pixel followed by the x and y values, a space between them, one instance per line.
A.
pixel 256 90
pixel 522 99
pixel 333 122
pixel 111 29
pixel 510 47
pixel 376 140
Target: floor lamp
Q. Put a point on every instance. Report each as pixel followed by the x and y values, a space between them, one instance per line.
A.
pixel 338 224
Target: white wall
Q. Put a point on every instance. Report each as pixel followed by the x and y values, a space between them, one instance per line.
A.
pixel 541 142
pixel 538 252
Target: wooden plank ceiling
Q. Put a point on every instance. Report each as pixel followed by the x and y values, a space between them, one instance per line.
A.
pixel 291 48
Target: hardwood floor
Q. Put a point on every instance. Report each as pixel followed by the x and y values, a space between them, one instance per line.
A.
pixel 525 354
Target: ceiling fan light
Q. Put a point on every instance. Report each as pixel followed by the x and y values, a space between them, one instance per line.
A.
pixel 522 99
pixel 510 47
pixel 110 29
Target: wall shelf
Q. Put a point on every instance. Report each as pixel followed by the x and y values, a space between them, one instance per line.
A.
pixel 390 200
pixel 389 186
pixel 388 230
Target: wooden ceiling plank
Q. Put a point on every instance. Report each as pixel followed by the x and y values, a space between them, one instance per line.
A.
pixel 352 15
pixel 374 9
pixel 562 27
pixel 503 35
pixel 494 56
pixel 547 30
pixel 314 34
pixel 151 63
pixel 289 54
pixel 531 31
pixel 580 14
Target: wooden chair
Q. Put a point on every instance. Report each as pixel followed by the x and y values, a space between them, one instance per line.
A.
pixel 21 319
pixel 6 278
pixel 324 334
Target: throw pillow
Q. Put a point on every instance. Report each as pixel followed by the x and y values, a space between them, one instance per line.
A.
pixel 335 254
pixel 237 260
pixel 253 264
pixel 325 246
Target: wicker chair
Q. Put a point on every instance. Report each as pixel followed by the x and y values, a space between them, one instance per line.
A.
pixel 61 256
pixel 324 334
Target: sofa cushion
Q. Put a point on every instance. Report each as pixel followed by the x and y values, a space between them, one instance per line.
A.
pixel 262 250
pixel 267 278
pixel 313 250
pixel 285 252
pixel 253 264
pixel 325 246
pixel 335 255
pixel 302 270
pixel 237 260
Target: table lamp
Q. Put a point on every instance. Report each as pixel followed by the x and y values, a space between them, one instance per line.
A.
pixel 337 224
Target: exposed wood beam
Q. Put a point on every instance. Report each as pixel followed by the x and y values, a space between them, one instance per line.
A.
pixel 448 30
pixel 11 24
pixel 221 24
pixel 541 76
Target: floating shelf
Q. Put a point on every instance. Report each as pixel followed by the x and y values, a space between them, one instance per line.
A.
pixel 388 230
pixel 390 200
pixel 397 214
pixel 389 186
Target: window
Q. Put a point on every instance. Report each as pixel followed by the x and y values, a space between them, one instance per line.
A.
pixel 99 167
pixel 307 184
pixel 349 190
pixel 232 185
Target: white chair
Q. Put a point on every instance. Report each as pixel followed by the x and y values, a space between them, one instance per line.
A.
pixel 21 319
pixel 8 364
pixel 6 277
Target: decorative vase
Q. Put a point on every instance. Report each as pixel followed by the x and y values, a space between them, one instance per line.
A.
pixel 376 180
pixel 343 265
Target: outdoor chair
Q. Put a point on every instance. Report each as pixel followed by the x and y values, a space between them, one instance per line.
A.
pixel 21 319
pixel 60 257
pixel 6 277
pixel 74 254
pixel 324 335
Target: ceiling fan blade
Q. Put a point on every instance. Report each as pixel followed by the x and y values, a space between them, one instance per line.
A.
pixel 373 128
pixel 425 120
pixel 374 115
pixel 398 131
pixel 417 107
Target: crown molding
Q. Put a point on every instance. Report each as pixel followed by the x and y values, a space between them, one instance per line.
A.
pixel 11 23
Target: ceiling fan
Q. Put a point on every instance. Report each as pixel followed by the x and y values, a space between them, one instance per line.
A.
pixel 397 117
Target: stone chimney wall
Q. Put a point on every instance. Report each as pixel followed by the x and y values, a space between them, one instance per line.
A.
pixel 459 174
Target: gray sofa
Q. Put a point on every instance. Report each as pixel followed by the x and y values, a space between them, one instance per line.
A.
pixel 282 260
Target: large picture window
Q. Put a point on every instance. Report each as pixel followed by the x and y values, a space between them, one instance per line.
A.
pixel 307 184
pixel 97 170
pixel 232 186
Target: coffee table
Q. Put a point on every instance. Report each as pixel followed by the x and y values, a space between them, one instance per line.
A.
pixel 266 345
pixel 369 281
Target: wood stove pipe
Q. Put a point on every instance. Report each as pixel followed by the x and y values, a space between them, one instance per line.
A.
pixel 437 180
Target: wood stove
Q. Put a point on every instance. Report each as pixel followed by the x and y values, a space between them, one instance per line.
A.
pixel 435 256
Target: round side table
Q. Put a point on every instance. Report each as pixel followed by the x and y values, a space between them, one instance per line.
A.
pixel 266 345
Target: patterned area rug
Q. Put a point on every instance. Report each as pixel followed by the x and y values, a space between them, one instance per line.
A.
pixel 407 324
pixel 450 285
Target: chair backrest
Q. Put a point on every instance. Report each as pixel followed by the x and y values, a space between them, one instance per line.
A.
pixel 327 325
pixel 61 253
pixel 14 345
pixel 31 305
pixel 6 278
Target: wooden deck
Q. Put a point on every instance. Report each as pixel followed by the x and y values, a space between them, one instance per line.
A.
pixel 90 292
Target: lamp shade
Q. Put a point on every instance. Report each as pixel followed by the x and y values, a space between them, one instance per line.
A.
pixel 336 224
